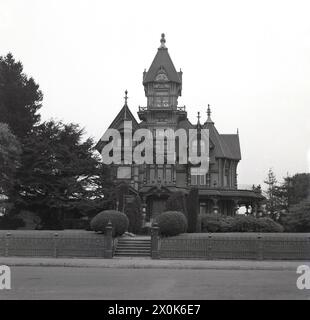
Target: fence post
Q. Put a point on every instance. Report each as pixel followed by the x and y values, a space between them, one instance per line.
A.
pixel 259 247
pixel 154 241
pixel 108 243
pixel 210 247
pixel 55 245
pixel 7 244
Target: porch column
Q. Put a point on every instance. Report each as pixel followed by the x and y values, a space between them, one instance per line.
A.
pixel 236 206
pixel 254 209
pixel 143 211
pixel 247 209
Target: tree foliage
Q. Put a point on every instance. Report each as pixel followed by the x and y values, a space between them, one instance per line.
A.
pixel 10 151
pixel 20 97
pixel 59 172
pixel 298 218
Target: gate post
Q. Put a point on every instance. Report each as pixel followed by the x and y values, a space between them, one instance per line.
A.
pixel 108 243
pixel 7 244
pixel 260 255
pixel 154 241
pixel 55 245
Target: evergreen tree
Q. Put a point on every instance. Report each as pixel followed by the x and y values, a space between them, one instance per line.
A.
pixel 298 218
pixel 10 151
pixel 272 200
pixel 59 173
pixel 20 97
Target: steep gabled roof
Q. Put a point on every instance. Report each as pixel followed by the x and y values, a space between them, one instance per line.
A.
pixel 163 61
pixel 118 123
pixel 232 141
pixel 124 115
pixel 185 124
pixel 220 147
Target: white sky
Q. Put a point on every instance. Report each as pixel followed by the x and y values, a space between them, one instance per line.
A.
pixel 249 59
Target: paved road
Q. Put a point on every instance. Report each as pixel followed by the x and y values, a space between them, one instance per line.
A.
pixel 101 283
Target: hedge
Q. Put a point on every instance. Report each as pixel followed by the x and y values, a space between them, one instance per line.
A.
pixel 239 223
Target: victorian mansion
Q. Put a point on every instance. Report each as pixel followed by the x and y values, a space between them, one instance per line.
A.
pixel 218 189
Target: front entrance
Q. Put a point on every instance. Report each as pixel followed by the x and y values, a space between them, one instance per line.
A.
pixel 156 205
pixel 159 206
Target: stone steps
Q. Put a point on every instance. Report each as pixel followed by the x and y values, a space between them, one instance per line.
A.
pixel 130 247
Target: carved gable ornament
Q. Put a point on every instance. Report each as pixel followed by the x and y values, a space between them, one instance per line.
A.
pixel 161 75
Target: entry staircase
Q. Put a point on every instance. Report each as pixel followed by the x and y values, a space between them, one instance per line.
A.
pixel 133 247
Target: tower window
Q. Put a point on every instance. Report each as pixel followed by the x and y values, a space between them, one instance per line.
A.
pixel 161 102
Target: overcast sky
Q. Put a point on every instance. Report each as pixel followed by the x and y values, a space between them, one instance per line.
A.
pixel 249 59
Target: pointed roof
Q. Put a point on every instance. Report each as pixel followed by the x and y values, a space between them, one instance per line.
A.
pixel 124 115
pixel 226 145
pixel 162 61
pixel 118 123
pixel 232 141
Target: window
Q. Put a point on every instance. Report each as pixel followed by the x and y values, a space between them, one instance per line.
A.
pixel 198 177
pixel 124 173
pixel 193 180
pixel 152 174
pixel 161 102
pixel 168 174
pixel 160 174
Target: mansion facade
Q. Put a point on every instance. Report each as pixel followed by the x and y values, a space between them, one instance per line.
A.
pixel 154 183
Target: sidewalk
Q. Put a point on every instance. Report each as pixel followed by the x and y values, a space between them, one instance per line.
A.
pixel 145 263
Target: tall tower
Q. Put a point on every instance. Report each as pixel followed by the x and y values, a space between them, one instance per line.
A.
pixel 162 87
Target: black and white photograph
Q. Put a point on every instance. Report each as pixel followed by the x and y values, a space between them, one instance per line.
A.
pixel 154 155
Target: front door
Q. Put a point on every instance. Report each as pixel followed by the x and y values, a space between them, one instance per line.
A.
pixel 158 206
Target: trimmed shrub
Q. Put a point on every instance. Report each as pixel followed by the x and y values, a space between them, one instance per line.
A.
pixel 239 223
pixel 11 222
pixel 118 219
pixel 269 225
pixel 171 223
pixel 215 223
pixel 252 224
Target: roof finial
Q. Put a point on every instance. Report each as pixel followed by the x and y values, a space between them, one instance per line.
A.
pixel 209 111
pixel 198 116
pixel 163 41
pixel 126 97
pixel 209 114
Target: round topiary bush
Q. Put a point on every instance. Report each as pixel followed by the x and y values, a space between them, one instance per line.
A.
pixel 118 219
pixel 171 223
